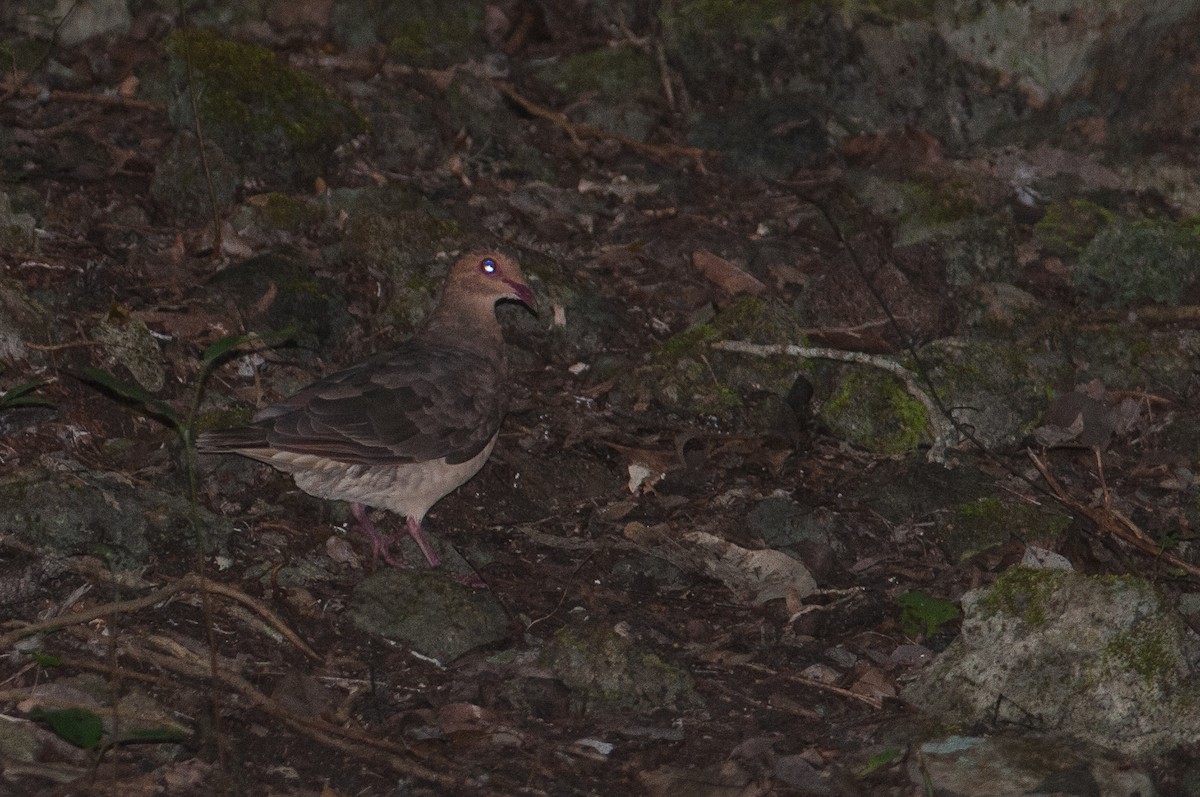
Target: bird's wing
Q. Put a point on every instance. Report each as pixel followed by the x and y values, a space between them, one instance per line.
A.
pixel 418 403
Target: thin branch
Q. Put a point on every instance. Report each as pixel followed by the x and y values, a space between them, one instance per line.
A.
pixel 577 131
pixel 191 582
pixel 941 428
pixel 873 702
pixel 1111 520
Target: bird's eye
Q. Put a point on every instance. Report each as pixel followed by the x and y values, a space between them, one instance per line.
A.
pixel 487 266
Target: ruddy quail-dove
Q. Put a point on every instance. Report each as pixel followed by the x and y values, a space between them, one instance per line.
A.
pixel 403 429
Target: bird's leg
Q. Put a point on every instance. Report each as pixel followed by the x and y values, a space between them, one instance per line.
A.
pixel 379 544
pixel 418 534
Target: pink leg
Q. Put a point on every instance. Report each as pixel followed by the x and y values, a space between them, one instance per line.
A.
pixel 417 533
pixel 379 545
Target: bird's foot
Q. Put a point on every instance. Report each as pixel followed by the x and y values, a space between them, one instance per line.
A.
pixel 418 534
pixel 380 545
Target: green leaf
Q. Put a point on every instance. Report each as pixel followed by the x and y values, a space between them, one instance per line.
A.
pixel 17 396
pixel 138 395
pixel 219 348
pixel 878 762
pixel 46 659
pixel 78 726
pixel 156 735
pixel 924 614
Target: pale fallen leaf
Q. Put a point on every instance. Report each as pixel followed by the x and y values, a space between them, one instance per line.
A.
pixel 755 576
pixel 725 275
pixel 339 550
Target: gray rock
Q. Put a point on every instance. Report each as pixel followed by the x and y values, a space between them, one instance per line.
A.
pixel 1023 765
pixel 607 671
pixel 1100 659
pixel 72 513
pixel 429 611
pixel 180 186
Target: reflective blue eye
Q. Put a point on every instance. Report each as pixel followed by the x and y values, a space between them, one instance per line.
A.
pixel 488 266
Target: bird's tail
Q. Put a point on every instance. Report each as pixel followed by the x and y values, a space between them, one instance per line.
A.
pixel 229 440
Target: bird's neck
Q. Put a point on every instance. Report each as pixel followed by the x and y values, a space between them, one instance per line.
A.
pixel 466 322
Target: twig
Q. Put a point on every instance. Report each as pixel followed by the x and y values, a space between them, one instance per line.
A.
pixel 873 702
pixel 1111 520
pixel 940 427
pixel 111 100
pixel 18 85
pixel 576 131
pixel 188 582
pixel 349 740
pixel 199 132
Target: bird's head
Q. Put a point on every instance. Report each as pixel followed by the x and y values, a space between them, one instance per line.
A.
pixel 491 276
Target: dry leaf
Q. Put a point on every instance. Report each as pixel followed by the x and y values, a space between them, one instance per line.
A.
pixel 725 275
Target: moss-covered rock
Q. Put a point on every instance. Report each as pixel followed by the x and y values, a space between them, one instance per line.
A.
pixel 614 73
pixel 22 319
pixel 1137 261
pixel 423 32
pixel 975 526
pixel 429 611
pixel 17 231
pixel 277 123
pixel 720 44
pixel 313 307
pixel 871 409
pixel 129 342
pixel 399 235
pixel 182 179
pixel 995 386
pixel 1129 356
pixel 684 374
pixel 1068 226
pixel 476 107
pixel 1099 658
pixel 276 217
pixel 763 136
pixel 101 514
pixel 604 670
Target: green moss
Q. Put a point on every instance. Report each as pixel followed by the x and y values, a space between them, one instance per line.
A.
pixel 1023 592
pixel 892 9
pixel 432 36
pixel 685 373
pixel 257 108
pixel 23 55
pixel 737 18
pixel 606 671
pixel 1131 262
pixel 223 418
pixel 1067 227
pixel 616 73
pixel 277 211
pixel 940 201
pixel 690 341
pixel 1148 649
pixel 873 411
pixel 981 524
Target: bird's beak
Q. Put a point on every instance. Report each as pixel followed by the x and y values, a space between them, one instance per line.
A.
pixel 522 294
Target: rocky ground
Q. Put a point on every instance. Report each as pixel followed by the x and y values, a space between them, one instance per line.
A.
pixel 941 545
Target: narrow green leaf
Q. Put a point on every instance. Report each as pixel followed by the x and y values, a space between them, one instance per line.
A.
pixel 144 399
pixel 18 396
pixel 46 659
pixel 220 348
pixel 156 735
pixel 78 726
